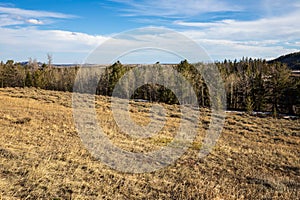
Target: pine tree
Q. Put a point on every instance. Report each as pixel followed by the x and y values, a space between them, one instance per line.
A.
pixel 279 80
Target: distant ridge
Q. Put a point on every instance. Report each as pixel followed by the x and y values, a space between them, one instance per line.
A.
pixel 291 60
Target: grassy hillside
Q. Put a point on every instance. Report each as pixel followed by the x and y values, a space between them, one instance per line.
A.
pixel 292 60
pixel 42 156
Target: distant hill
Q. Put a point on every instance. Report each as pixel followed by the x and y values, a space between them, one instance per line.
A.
pixel 292 60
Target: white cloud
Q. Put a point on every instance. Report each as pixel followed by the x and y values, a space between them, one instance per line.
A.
pixel 148 45
pixel 229 49
pixel 74 47
pixel 65 46
pixel 35 21
pixel 220 48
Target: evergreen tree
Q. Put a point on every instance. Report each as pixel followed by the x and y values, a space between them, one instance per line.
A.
pixel 279 79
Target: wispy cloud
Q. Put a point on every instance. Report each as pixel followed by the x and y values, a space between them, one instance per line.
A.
pixel 18 16
pixel 173 8
pixel 6 20
pixel 33 13
pixel 286 27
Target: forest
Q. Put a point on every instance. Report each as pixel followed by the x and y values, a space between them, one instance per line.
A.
pixel 250 84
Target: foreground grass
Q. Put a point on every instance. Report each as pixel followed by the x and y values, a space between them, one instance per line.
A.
pixel 42 156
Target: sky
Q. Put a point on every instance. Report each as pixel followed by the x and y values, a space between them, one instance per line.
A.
pixel 69 30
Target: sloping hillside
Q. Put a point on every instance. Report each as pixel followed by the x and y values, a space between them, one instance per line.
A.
pixel 42 156
pixel 291 60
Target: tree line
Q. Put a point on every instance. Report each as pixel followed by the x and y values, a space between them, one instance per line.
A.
pixel 250 84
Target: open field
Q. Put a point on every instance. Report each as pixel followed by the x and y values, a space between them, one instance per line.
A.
pixel 42 156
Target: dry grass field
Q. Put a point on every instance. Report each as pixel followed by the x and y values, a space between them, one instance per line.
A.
pixel 42 156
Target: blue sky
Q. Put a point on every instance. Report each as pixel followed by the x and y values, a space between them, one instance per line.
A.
pixel 70 29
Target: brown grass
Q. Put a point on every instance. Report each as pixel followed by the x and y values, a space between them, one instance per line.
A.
pixel 42 156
